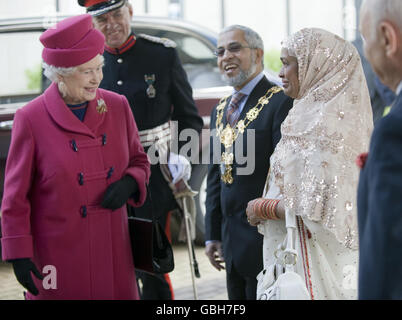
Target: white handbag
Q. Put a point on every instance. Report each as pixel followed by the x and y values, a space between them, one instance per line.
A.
pixel 280 281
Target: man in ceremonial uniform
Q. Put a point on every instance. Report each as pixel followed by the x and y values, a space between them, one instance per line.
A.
pixel 256 106
pixel 147 70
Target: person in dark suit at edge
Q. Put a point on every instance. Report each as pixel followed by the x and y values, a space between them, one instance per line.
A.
pixel 147 70
pixel 256 109
pixel 379 192
pixel 381 97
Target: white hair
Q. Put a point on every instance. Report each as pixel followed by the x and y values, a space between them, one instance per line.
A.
pixel 385 10
pixel 53 73
pixel 252 38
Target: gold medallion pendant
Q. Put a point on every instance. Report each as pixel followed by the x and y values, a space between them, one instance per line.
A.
pixel 228 135
pixel 226 167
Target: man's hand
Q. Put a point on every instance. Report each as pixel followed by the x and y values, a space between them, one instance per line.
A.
pixel 214 252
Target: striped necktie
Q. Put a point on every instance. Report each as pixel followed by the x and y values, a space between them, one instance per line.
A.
pixel 233 112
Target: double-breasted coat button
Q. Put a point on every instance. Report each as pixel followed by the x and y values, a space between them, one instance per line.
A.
pixel 81 178
pixel 103 139
pixel 120 60
pixel 110 172
pixel 74 145
pixel 119 82
pixel 84 211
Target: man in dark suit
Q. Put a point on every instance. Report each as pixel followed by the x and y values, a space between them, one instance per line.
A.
pixel 380 185
pixel 147 70
pixel 244 126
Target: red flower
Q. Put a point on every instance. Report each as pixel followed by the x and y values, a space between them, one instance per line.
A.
pixel 361 160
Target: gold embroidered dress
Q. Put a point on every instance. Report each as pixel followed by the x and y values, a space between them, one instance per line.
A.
pixel 313 168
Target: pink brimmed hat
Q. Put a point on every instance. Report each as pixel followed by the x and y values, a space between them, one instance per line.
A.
pixel 72 42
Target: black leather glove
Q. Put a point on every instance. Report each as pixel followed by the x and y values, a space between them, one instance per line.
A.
pixel 118 192
pixel 22 269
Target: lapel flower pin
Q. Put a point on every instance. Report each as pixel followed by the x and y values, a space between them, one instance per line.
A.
pixel 101 107
pixel 361 160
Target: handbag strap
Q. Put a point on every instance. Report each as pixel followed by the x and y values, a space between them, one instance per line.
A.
pixel 155 220
pixel 290 253
pixel 154 217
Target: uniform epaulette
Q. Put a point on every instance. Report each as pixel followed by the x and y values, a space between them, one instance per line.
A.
pixel 165 41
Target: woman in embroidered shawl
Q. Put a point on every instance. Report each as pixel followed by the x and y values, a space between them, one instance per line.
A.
pixel 313 173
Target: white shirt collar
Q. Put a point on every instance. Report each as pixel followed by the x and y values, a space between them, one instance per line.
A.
pixel 251 85
pixel 399 88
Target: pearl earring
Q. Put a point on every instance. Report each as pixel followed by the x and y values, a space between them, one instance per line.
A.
pixel 62 89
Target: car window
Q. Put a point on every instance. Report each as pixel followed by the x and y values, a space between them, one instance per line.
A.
pixel 196 49
pixel 20 63
pixel 196 56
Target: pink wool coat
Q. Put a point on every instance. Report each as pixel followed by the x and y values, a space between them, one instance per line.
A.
pixel 57 172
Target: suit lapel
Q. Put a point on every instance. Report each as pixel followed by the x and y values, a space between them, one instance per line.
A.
pixel 225 118
pixel 63 116
pixel 93 119
pixel 259 90
pixel 397 103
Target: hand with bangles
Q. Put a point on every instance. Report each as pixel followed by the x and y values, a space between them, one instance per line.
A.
pixel 261 209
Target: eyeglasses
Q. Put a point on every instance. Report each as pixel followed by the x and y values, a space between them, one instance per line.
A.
pixel 232 48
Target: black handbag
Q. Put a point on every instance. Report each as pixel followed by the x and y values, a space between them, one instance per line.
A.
pixel 152 251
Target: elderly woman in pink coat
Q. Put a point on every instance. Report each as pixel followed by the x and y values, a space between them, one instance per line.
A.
pixel 75 160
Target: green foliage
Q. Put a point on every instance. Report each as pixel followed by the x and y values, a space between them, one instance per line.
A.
pixel 272 61
pixel 34 76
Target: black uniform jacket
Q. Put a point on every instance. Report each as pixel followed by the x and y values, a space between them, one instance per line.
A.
pixel 226 218
pixel 379 207
pixel 125 74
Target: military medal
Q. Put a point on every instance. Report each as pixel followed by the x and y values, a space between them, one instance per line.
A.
pixel 229 135
pixel 150 80
pixel 101 107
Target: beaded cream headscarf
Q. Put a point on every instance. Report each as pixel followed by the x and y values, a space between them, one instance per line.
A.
pixel 329 125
